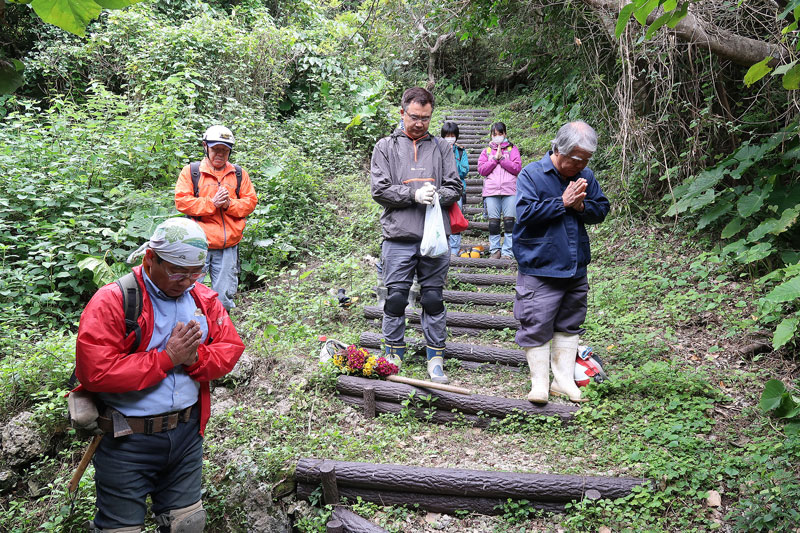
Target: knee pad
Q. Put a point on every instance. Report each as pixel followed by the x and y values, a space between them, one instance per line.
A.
pixel 494 226
pixel 191 519
pixel 396 302
pixel 508 224
pixel 432 301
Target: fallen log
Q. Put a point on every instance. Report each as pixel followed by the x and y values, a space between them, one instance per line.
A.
pixel 472 210
pixel 473 404
pixel 457 350
pixel 429 415
pixel 477 298
pixel 434 503
pixel 485 279
pixel 453 331
pixel 455 318
pixel 481 226
pixel 481 262
pixel 471 483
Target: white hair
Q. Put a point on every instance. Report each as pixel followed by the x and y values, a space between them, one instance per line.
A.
pixel 577 134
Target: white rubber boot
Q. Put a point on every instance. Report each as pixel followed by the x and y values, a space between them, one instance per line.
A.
pixel 564 350
pixel 539 364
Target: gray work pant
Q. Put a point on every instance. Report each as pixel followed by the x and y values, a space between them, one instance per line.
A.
pixel 401 260
pixel 546 305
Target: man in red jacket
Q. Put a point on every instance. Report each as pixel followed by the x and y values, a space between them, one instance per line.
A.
pixel 154 396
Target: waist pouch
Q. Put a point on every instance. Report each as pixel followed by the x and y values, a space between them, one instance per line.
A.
pixel 121 425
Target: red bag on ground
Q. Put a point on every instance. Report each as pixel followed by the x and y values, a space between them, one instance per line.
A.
pixel 457 221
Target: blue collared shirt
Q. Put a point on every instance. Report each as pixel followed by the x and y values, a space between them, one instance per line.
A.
pixel 176 391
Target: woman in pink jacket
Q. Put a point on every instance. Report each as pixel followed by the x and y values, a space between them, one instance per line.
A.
pixel 499 164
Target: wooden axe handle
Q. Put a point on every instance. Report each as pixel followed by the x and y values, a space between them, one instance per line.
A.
pixel 87 456
pixel 428 384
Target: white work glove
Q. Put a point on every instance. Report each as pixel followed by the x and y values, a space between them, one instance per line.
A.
pixel 424 194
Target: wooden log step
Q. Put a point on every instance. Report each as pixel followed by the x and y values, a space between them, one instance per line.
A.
pixel 349 521
pixel 474 199
pixel 435 416
pixel 457 350
pixel 479 226
pixel 472 211
pixel 433 503
pixel 474 181
pixel 477 298
pixel 485 279
pixel 455 318
pixel 482 262
pixel 472 404
pixel 471 483
pixel 474 189
pixel 452 330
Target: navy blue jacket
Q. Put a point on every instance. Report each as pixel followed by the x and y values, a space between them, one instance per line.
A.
pixel 549 239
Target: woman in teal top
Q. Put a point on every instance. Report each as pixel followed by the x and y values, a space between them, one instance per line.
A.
pixel 450 134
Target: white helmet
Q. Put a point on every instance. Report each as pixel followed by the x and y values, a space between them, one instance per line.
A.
pixel 218 134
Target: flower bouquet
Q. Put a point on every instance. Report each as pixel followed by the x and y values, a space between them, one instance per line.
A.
pixel 357 361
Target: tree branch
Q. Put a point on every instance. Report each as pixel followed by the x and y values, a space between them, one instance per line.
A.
pixel 721 42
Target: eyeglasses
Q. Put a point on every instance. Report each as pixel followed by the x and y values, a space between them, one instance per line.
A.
pixel 417 118
pixel 181 276
pixel 577 159
pixel 194 276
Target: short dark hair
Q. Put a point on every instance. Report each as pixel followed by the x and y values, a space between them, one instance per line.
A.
pixel 450 128
pixel 499 127
pixel 416 94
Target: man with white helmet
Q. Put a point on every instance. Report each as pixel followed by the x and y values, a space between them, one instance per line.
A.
pixel 150 375
pixel 219 196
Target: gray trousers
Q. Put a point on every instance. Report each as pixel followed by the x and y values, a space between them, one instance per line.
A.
pixel 401 260
pixel 545 305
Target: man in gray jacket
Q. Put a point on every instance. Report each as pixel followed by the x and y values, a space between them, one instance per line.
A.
pixel 408 169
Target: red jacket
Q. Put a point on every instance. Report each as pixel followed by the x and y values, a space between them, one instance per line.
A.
pixel 223 227
pixel 102 361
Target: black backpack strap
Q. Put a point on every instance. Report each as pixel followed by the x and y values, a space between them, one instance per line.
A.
pixel 132 305
pixel 195 169
pixel 238 180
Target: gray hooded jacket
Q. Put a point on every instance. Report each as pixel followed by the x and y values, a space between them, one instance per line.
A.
pixel 399 167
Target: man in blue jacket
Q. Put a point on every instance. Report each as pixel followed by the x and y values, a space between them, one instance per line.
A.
pixel 556 197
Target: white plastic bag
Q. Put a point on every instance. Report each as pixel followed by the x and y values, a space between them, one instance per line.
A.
pixel 434 239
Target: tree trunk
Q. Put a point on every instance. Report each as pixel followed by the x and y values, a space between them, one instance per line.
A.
pixel 721 42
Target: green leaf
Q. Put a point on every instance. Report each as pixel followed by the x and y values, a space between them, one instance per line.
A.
pixel 670 5
pixel 678 16
pixel 785 292
pixel 656 25
pixel 781 69
pixel 305 274
pixel 644 11
pixel 732 228
pixel 720 208
pixel 787 407
pixel 11 77
pixel 791 80
pixel 116 4
pixel 623 18
pixel 747 205
pixel 792 428
pixel 772 394
pixel 70 15
pixel 101 272
pixel 774 226
pixel 757 71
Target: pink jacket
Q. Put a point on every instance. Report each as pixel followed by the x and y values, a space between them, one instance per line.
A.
pixel 501 179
